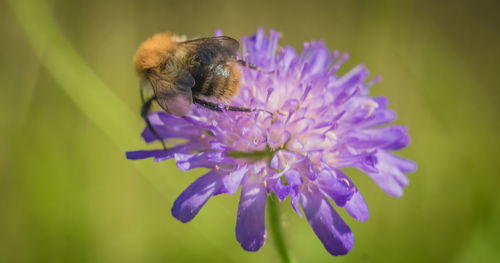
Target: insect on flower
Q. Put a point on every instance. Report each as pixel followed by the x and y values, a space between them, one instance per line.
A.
pixel 183 73
pixel 322 122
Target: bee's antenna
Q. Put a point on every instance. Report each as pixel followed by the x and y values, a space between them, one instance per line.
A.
pixel 145 109
pixel 252 66
pixel 216 107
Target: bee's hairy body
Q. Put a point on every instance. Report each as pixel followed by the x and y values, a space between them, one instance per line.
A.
pixel 180 71
pixel 220 80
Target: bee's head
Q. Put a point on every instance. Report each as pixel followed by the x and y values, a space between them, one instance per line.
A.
pixel 153 52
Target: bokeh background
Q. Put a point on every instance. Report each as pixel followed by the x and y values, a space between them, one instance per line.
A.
pixel 69 106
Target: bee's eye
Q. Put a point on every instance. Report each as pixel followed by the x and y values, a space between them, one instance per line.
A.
pixel 149 70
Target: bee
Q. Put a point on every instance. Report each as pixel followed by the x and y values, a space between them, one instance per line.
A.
pixel 192 71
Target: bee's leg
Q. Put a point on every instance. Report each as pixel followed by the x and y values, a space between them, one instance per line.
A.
pixel 207 104
pixel 252 66
pixel 145 109
pixel 215 107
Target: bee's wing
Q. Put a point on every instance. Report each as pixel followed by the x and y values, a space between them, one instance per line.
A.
pixel 213 49
pixel 174 96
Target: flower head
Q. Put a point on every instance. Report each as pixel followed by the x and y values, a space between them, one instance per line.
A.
pixel 319 123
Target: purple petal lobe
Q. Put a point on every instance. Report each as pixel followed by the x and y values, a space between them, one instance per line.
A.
pixel 250 228
pixel 276 186
pixel 186 162
pixel 357 208
pixel 380 117
pixel 353 77
pixel 275 162
pixel 293 177
pixel 189 203
pixel 391 137
pixel 294 200
pixel 168 126
pixel 336 185
pixel 218 32
pixel 233 180
pixel 333 232
pixel 137 155
pixel 390 175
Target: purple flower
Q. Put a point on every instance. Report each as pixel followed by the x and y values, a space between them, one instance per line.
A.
pixel 321 123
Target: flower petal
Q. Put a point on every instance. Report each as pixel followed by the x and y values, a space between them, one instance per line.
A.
pixel 391 138
pixel 356 207
pixel 210 160
pixel 333 232
pixel 137 155
pixel 352 78
pixel 336 185
pixel 168 126
pixel 277 187
pixel 250 227
pixel 233 180
pixel 294 200
pixel 378 117
pixel 189 203
pixel 391 172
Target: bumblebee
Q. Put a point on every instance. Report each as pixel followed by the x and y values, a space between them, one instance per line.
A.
pixel 183 73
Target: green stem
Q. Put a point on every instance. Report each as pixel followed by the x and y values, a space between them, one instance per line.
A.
pixel 276 228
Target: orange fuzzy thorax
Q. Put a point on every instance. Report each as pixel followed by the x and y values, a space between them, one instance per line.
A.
pixel 154 51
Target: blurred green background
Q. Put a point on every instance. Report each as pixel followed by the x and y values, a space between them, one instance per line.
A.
pixel 69 106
